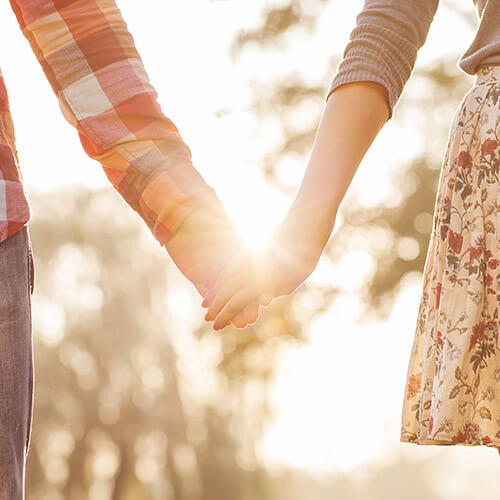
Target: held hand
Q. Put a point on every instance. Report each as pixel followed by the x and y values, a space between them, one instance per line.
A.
pixel 294 253
pixel 243 278
pixel 205 241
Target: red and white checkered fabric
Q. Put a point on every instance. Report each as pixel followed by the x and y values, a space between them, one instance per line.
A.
pixel 91 62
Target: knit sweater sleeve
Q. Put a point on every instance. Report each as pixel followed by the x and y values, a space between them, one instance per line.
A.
pixel 384 43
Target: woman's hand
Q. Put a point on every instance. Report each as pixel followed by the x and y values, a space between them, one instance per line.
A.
pixel 296 247
pixel 241 278
pixel 353 116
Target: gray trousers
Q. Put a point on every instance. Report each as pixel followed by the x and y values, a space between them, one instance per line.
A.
pixel 16 361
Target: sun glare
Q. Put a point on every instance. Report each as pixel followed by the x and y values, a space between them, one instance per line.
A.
pixel 254 220
pixel 255 233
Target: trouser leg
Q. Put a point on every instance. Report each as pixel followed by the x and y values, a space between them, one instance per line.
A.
pixel 16 361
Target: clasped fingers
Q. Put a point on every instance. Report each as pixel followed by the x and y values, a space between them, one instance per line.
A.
pixel 242 282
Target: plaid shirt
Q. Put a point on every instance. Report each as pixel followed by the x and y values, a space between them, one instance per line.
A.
pixel 92 65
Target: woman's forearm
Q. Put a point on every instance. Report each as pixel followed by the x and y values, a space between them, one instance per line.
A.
pixel 354 114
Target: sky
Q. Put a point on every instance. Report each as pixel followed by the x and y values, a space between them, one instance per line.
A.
pixel 185 49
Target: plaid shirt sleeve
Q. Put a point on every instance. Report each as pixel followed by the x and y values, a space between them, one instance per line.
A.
pixel 91 63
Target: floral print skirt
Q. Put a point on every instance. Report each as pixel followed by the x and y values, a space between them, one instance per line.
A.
pixel 452 391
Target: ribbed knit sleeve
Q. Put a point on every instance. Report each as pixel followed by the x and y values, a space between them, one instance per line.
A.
pixel 384 43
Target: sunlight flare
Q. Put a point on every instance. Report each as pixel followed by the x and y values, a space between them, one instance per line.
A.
pixel 255 232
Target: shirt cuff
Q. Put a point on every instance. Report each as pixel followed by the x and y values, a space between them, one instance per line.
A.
pixel 170 197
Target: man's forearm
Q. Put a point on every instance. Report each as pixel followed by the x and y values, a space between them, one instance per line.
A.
pixel 91 62
pixel 353 116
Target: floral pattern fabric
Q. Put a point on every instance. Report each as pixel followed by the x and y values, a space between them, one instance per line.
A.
pixel 452 392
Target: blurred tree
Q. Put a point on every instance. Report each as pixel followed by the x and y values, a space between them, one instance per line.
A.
pixel 111 417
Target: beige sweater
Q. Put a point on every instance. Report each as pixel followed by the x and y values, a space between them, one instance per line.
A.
pixel 388 33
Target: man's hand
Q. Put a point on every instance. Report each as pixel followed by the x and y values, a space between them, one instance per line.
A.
pixel 202 245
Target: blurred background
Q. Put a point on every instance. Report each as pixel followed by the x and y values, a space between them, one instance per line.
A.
pixel 135 397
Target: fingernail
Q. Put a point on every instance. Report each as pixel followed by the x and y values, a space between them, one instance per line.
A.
pixel 204 303
pixel 207 317
pixel 216 328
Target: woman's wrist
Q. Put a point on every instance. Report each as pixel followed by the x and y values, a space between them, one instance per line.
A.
pixel 320 208
pixel 312 220
pixel 353 116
